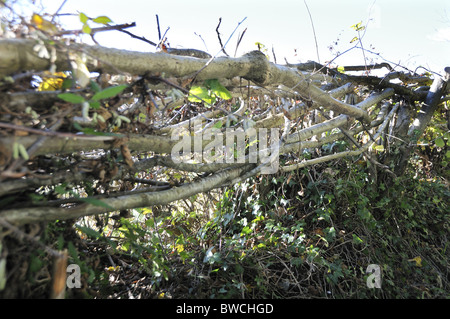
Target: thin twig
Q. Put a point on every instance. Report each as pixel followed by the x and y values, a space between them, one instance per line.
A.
pixel 212 59
pixel 314 31
pixel 163 39
pixel 59 9
pixel 274 57
pixel 118 27
pixel 159 30
pixel 139 38
pixel 201 38
pixel 239 41
pixel 220 40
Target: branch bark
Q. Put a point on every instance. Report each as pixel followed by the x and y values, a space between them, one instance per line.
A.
pixel 19 54
pixel 37 214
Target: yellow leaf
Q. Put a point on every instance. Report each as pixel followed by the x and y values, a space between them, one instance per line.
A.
pixel 51 82
pixel 43 24
pixel 179 248
pixel 418 261
pixel 161 295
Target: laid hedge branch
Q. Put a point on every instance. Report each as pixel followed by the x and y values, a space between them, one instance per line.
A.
pixel 20 54
pixel 38 214
pixel 69 143
pixel 291 81
pixel 335 156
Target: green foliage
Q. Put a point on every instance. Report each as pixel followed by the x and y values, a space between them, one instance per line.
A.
pixel 358 27
pixel 209 92
pixel 262 48
pixel 84 19
pixel 310 234
pixel 106 93
pixel 71 98
pixel 109 92
pixel 346 226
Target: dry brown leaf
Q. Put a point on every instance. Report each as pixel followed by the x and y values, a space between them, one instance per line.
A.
pixel 126 155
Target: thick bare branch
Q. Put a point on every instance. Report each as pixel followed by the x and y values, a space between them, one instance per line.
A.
pixel 19 54
pixel 433 99
pixel 345 153
pixel 37 214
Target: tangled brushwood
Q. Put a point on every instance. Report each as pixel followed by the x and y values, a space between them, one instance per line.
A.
pixel 130 167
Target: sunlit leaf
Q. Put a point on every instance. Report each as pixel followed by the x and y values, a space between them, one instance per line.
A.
pixel 86 29
pixel 200 94
pixel 379 148
pixel 354 39
pixel 218 89
pixel 358 26
pixel 356 239
pixel 43 24
pixel 179 248
pixel 418 261
pixel 52 82
pixel 83 18
pixel 102 20
pixel 341 69
pixel 218 125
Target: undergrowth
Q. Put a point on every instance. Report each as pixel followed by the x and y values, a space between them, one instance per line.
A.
pixel 309 234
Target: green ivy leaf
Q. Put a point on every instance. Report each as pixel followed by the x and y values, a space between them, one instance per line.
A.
pixel 71 98
pixel 109 92
pixel 439 142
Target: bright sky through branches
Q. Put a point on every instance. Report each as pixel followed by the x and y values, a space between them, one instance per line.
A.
pixel 409 32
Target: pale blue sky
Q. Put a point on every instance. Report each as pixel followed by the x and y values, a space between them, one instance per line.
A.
pixel 408 32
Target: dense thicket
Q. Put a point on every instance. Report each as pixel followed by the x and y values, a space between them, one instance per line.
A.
pixel 355 173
